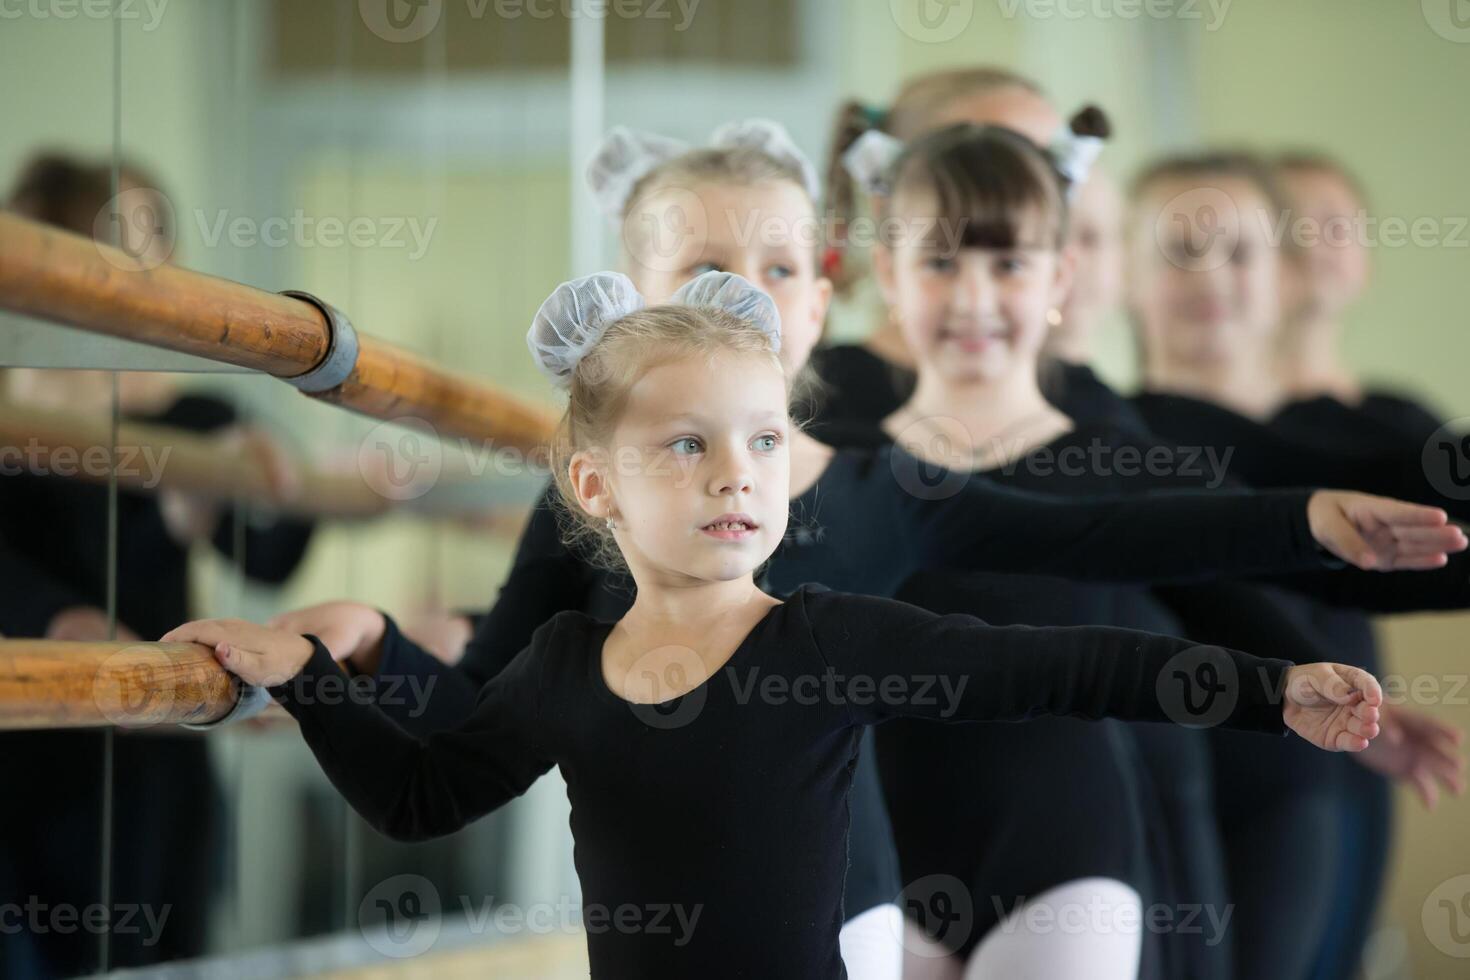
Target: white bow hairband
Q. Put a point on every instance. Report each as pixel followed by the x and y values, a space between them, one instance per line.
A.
pixel 577 314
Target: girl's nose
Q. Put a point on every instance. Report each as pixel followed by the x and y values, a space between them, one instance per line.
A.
pixel 732 474
pixel 973 294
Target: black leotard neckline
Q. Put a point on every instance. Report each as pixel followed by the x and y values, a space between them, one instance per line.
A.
pixel 597 633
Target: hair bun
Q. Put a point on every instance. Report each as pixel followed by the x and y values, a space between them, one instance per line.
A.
pixel 736 295
pixel 574 318
pixel 623 158
pixel 771 138
pixel 1091 121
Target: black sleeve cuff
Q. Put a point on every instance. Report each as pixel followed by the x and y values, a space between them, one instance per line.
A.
pixel 1262 697
pixel 390 650
pixel 320 682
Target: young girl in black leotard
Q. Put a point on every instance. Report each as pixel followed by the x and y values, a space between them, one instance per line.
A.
pixel 708 736
pixel 975 318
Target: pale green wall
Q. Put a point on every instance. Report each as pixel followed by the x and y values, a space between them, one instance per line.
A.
pixel 1375 85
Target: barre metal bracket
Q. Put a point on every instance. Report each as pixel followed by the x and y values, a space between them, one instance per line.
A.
pixel 341 357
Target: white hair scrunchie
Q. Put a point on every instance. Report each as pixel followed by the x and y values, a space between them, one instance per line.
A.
pixel 626 156
pixel 737 295
pixel 623 158
pixel 574 318
pixel 577 314
pixel 869 158
pixel 772 139
pixel 1074 156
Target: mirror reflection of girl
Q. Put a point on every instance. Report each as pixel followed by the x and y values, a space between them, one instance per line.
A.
pixel 167 809
pixel 674 450
pixel 1206 303
pixel 859 528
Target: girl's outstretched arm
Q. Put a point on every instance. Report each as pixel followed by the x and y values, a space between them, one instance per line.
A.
pixel 958 668
pixel 1419 750
pixel 408 788
pixel 545 578
pixel 1175 535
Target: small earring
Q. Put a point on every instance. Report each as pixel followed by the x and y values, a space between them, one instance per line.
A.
pixel 1054 317
pixel 612 525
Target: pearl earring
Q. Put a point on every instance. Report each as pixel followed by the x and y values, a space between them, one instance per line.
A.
pixel 1054 317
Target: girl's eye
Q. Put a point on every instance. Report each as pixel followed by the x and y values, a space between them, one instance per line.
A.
pixel 766 443
pixel 687 446
pixel 1011 264
pixel 780 272
pixel 704 267
pixel 939 263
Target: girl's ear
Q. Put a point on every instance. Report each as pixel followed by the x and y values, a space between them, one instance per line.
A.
pixel 588 474
pixel 821 302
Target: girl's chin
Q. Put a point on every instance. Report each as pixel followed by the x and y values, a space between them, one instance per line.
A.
pixel 975 380
pixel 1205 350
pixel 730 573
pixel 989 365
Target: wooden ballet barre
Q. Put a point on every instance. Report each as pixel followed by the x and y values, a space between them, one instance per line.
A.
pixel 150 457
pixel 57 684
pixel 154 457
pixel 70 279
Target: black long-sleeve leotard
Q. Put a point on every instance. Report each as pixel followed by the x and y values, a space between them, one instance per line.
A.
pixel 729 802
pixel 1263 456
pixel 996 808
pixel 1380 420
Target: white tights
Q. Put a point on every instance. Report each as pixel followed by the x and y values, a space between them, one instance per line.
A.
pixel 872 944
pixel 1088 929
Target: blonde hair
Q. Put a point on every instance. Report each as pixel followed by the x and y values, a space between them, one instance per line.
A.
pixel 738 166
pixel 602 381
pixel 1211 164
pixel 1303 162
